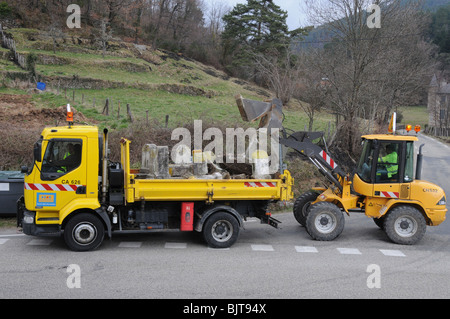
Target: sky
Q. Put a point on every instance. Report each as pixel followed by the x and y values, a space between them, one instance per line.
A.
pixel 296 18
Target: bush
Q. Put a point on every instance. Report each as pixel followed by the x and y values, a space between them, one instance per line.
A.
pixel 31 63
pixel 5 10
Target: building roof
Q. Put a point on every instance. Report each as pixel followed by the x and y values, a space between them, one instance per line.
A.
pixel 441 83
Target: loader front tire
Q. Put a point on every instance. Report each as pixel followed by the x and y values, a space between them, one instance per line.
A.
pixel 325 221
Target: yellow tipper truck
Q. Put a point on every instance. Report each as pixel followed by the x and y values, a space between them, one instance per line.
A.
pixel 74 190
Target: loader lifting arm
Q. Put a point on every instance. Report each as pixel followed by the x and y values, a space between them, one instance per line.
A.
pixel 302 143
pixel 270 115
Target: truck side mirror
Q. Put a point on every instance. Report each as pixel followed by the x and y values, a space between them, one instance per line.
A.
pixel 37 151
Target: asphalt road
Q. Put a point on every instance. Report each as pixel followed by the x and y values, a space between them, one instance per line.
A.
pixel 436 169
pixel 265 263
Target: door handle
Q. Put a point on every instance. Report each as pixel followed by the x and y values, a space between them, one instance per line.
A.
pixel 81 190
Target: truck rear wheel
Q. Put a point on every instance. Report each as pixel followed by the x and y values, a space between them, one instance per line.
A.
pixel 84 232
pixel 221 230
pixel 405 225
pixel 325 221
pixel 301 206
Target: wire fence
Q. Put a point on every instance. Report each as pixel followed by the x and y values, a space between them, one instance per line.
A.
pixel 10 44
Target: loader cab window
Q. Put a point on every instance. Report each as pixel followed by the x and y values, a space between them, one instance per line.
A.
pixel 61 157
pixel 409 163
pixel 387 164
pixel 364 169
pixel 380 162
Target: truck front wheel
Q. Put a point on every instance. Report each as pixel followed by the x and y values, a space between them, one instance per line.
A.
pixel 221 230
pixel 84 232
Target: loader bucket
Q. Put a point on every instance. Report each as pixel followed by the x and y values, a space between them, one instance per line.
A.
pixel 269 113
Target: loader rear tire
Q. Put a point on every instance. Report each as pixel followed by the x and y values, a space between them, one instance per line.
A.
pixel 325 221
pixel 302 205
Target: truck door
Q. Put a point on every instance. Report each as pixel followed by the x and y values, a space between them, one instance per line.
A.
pixel 63 174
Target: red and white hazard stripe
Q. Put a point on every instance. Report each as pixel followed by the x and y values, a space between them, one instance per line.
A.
pixel 51 187
pixel 328 159
pixel 390 194
pixel 260 184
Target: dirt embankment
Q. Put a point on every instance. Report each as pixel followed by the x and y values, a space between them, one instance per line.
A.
pixel 20 126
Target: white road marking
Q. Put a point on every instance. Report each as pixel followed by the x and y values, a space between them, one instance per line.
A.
pixel 40 242
pixel 262 248
pixel 171 245
pixel 175 245
pixel 306 249
pixel 219 249
pixel 130 244
pixel 392 253
pixel 12 235
pixel 349 251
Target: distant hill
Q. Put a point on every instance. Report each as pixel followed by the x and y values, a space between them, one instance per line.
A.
pixel 433 5
pixel 319 35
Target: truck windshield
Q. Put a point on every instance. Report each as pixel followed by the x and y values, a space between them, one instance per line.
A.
pixel 60 158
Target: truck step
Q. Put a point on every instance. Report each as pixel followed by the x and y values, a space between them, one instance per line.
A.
pixel 269 220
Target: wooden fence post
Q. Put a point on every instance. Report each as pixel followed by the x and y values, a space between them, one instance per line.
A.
pixel 130 116
pixel 106 108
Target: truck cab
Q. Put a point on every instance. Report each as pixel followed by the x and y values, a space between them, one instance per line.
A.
pixel 63 179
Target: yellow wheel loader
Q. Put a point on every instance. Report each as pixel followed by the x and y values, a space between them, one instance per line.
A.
pixel 384 186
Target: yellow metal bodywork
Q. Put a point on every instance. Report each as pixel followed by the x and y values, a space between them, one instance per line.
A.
pixel 390 137
pixel 372 197
pixel 208 190
pixel 420 194
pixel 345 200
pixel 64 203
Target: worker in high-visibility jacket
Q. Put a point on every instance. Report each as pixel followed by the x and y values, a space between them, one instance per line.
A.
pixel 391 161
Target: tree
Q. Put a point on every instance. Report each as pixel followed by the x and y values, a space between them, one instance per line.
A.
pixel 105 35
pixel 440 33
pixel 55 32
pixel 311 87
pixel 369 70
pixel 440 28
pixel 279 71
pixel 251 29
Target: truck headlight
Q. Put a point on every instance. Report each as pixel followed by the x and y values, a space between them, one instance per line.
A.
pixel 28 218
pixel 442 201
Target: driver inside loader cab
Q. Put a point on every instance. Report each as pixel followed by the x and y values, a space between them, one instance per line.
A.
pixel 388 164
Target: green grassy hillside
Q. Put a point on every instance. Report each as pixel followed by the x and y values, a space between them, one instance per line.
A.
pixel 158 82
